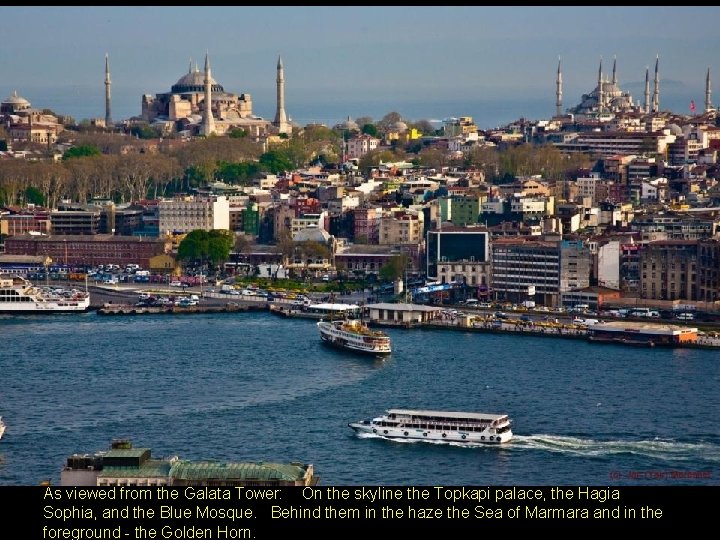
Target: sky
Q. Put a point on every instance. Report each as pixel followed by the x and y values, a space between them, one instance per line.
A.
pixel 496 64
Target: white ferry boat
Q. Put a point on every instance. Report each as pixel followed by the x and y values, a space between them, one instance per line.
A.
pixel 462 427
pixel 18 295
pixel 354 335
pixel 2 427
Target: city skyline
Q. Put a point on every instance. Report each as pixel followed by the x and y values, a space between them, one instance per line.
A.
pixel 425 63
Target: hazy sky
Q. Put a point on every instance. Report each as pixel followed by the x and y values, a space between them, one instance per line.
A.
pixel 349 58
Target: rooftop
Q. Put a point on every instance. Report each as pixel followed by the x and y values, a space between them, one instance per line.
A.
pixel 204 470
pixel 403 307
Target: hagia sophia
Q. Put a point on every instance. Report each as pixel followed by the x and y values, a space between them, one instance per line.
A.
pixel 184 107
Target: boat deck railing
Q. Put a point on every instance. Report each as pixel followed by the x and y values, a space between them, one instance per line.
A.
pixel 452 423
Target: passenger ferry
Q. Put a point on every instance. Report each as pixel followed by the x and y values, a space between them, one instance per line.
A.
pixel 18 295
pixel 443 426
pixel 354 335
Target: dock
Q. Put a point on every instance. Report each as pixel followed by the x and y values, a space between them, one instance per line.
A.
pixel 624 332
pixel 128 309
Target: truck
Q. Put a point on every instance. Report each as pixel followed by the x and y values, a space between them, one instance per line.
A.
pixel 529 304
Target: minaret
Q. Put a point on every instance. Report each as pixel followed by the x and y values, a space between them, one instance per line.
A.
pixel 208 125
pixel 558 91
pixel 708 91
pixel 108 116
pixel 281 121
pixel 647 90
pixel 656 90
pixel 614 79
pixel 601 95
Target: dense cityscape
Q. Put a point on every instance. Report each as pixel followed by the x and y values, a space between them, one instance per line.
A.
pixel 612 197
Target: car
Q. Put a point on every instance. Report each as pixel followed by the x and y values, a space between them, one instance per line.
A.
pixel 585 322
pixel 176 284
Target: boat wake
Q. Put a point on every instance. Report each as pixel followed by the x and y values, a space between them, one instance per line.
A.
pixel 663 449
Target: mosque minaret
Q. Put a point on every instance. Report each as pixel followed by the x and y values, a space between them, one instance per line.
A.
pixel 281 121
pixel 656 90
pixel 708 93
pixel 108 115
pixel 558 91
pixel 208 125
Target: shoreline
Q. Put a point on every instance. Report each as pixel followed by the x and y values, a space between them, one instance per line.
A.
pixel 115 305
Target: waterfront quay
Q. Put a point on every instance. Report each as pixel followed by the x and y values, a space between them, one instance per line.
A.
pixel 109 301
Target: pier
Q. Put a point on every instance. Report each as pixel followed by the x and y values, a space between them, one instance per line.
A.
pixel 414 316
pixel 128 309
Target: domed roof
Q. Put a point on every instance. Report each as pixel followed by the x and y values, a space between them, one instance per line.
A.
pixel 14 99
pixel 675 129
pixel 194 78
pixel 349 125
pixel 194 81
pixel 399 126
pixel 312 234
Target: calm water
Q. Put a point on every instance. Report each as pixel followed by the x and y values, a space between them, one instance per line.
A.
pixel 252 387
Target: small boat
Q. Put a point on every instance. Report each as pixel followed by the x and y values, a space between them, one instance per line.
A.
pixel 354 335
pixel 2 427
pixel 438 426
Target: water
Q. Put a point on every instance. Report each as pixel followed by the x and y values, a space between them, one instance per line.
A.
pixel 251 387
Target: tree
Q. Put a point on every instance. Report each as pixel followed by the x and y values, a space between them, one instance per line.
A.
pixel 276 162
pixel 237 133
pixel 34 196
pixel 242 243
pixel 144 132
pixel 423 126
pixel 81 151
pixel 319 133
pixel 194 246
pixel 200 246
pixel 388 120
pixel 220 243
pixel 433 157
pixel 395 267
pixel 238 173
pixel 82 173
pixel 370 129
pixel 363 120
pixel 374 157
